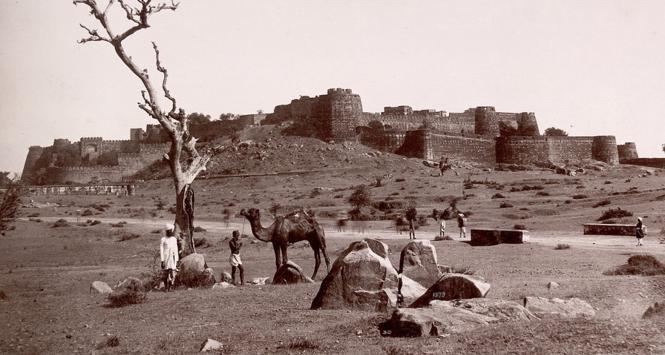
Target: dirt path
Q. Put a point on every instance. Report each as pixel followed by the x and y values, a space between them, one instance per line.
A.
pixel 548 238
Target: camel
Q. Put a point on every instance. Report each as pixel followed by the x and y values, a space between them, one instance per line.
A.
pixel 291 228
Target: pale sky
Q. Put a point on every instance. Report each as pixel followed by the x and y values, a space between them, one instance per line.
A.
pixel 588 67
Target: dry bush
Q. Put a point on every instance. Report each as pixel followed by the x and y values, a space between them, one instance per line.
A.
pixel 110 342
pixel 393 350
pixel 562 247
pixel 60 223
pixel 498 195
pixel 646 265
pixel 580 197
pixel 542 193
pixel 201 243
pixel 614 213
pixel 95 222
pixel 300 344
pixel 199 229
pixel 601 203
pixel 119 224
pixel 132 293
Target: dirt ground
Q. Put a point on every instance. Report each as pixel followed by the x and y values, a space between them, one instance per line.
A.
pixel 46 271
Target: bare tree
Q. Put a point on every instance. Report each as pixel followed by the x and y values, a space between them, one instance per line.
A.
pixel 185 161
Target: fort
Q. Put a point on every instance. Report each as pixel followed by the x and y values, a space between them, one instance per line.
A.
pixel 478 134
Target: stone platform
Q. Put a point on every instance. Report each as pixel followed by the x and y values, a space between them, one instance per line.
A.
pixel 609 229
pixel 481 237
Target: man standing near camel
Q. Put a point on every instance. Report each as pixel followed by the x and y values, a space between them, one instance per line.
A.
pixel 236 263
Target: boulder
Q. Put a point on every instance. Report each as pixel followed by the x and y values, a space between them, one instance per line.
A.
pixel 290 273
pixel 194 272
pixel 259 281
pixel 357 273
pixel 100 287
pixel 657 309
pixel 451 287
pixel 552 284
pixel 222 285
pixel 410 289
pixel 380 248
pixel 445 317
pixel 225 277
pixel 418 261
pixel 211 345
pixel 570 308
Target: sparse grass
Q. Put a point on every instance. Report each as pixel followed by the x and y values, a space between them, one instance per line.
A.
pixel 393 350
pixel 614 213
pixel 300 344
pixel 562 247
pixel 645 265
pixel 128 236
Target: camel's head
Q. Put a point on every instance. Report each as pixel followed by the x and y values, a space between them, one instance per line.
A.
pixel 250 214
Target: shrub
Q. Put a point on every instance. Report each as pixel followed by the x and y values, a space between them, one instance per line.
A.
pixel 658 309
pixel 646 265
pixel 133 292
pixel 360 197
pixel 35 220
pixel 201 243
pixel 445 237
pixel 562 246
pixel 87 212
pixel 110 342
pixel 519 226
pixel 542 193
pixel 498 195
pixel 614 213
pixel 156 231
pixel 33 215
pixel 118 225
pixel 199 229
pixel 95 222
pixel 505 205
pixel 300 344
pixel 400 180
pixel 580 197
pixel 60 223
pixel 601 203
pixel 128 236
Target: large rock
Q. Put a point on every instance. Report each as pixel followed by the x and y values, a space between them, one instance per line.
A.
pixel 100 287
pixel 452 317
pixel 411 290
pixel 290 273
pixel 357 280
pixel 570 308
pixel 194 272
pixel 418 261
pixel 452 287
pixel 657 309
pixel 211 345
pixel 380 248
pixel 225 277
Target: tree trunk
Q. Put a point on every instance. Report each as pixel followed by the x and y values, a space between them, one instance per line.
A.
pixel 184 216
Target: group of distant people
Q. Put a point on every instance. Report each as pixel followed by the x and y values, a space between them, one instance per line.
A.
pixel 170 250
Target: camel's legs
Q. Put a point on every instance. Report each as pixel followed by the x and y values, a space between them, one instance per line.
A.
pixel 285 257
pixel 317 260
pixel 325 257
pixel 278 257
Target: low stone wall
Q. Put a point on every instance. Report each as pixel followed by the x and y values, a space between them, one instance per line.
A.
pixel 650 162
pixel 609 229
pixel 484 237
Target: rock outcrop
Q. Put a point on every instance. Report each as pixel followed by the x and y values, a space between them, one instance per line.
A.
pixel 418 261
pixel 452 287
pixel 194 272
pixel 570 308
pixel 100 287
pixel 358 279
pixel 457 316
pixel 290 273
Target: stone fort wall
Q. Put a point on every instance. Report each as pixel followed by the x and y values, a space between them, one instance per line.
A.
pixel 530 150
pixel 84 174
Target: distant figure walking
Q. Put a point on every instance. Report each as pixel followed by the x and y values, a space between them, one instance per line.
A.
pixel 443 165
pixel 236 263
pixel 640 231
pixel 442 226
pixel 461 223
pixel 168 252
pixel 411 216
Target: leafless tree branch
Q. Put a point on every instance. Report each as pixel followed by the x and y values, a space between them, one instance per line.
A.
pixel 94 36
pixel 165 74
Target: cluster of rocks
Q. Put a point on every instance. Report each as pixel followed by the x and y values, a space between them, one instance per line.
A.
pixel 438 301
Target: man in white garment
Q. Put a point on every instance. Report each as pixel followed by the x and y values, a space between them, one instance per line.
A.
pixel 168 251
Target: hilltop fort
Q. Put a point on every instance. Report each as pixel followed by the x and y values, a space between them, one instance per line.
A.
pixel 479 134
